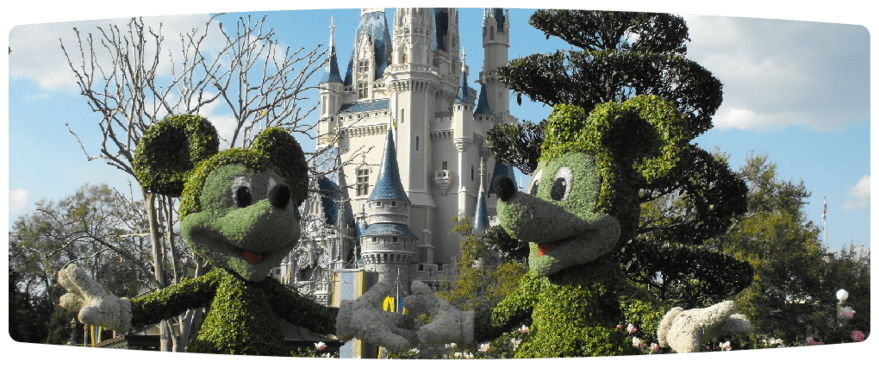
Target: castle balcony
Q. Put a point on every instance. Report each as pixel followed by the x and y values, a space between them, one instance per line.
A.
pixel 443 179
pixel 409 68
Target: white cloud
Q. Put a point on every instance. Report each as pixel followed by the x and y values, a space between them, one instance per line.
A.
pixel 19 199
pixel 861 192
pixel 778 73
pixel 37 54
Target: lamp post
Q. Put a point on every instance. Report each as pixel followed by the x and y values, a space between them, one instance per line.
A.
pixel 841 295
pixel 72 341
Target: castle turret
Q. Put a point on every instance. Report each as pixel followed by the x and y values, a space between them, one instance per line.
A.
pixel 330 92
pixel 496 44
pixel 387 244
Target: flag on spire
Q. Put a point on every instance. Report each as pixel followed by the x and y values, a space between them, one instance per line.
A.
pixel 824 215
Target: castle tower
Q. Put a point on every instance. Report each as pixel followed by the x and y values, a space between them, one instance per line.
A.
pixel 387 243
pixel 496 44
pixel 412 88
pixel 372 53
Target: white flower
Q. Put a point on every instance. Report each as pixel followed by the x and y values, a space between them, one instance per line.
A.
pixel 320 345
pixel 636 342
pixel 524 329
pixel 468 355
pixel 631 329
pixel 484 348
pixel 516 343
pixel 414 350
pixel 726 346
pixel 451 345
pixel 654 347
pixel 458 354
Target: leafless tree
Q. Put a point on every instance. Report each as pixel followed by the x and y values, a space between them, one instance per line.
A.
pixel 125 79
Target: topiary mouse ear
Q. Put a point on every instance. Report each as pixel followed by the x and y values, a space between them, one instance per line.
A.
pixel 287 158
pixel 170 149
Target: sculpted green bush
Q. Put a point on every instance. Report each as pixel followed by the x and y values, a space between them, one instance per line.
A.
pixel 581 205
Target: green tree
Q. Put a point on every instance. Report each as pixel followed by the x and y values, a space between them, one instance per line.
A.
pixel 616 56
pixel 484 277
pixel 28 316
pixel 785 250
pixel 97 228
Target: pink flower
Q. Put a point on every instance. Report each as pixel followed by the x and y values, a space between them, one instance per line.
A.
pixel 631 329
pixel 726 346
pixel 320 345
pixel 524 329
pixel 847 312
pixel 620 327
pixel 858 336
pixel 654 347
pixel 812 341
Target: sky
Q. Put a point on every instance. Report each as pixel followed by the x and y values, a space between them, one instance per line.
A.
pixel 795 91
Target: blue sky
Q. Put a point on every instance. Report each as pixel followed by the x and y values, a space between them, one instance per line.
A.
pixel 796 91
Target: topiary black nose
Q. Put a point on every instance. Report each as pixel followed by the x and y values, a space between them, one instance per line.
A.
pixel 504 187
pixel 279 196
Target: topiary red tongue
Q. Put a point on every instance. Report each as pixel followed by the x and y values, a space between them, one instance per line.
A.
pixel 251 257
pixel 543 249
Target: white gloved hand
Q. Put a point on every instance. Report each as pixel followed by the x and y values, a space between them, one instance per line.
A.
pixel 686 330
pixel 449 324
pixel 96 306
pixel 364 319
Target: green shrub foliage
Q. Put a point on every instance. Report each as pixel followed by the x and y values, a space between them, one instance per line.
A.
pixel 241 314
pixel 635 144
pixel 234 213
pixel 170 149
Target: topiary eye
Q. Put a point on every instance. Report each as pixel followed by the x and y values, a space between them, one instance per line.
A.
pixel 561 185
pixel 242 197
pixel 535 183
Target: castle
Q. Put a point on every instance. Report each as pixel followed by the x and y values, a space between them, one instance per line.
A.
pixel 402 142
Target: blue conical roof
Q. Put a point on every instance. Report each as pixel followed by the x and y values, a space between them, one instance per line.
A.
pixel 483 107
pixel 388 185
pixel 464 90
pixel 501 170
pixel 332 71
pixel 480 219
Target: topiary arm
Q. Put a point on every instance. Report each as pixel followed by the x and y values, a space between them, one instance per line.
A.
pixel 175 299
pixel 299 310
pixel 516 308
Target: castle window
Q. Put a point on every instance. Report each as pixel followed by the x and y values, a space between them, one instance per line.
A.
pixel 402 116
pixel 445 165
pixel 362 90
pixel 393 203
pixel 395 239
pixel 375 239
pixel 471 173
pixel 378 204
pixel 362 181
pixel 491 33
pixel 416 142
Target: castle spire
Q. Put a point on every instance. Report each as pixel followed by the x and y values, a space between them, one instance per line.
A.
pixel 480 218
pixel 331 73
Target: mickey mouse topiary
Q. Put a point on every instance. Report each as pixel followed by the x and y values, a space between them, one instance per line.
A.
pixel 239 210
pixel 582 204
